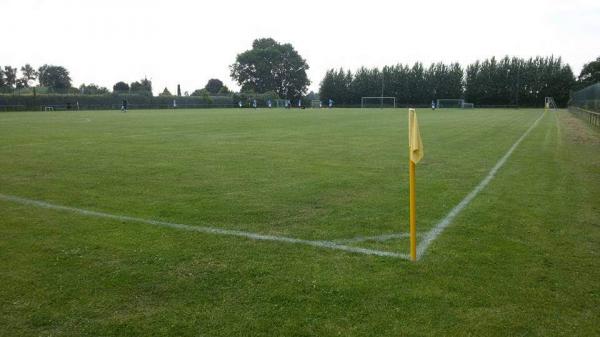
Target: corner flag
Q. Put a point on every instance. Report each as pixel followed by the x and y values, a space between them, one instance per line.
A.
pixel 415 146
pixel 414 137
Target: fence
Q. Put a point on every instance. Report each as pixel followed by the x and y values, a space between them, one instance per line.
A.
pixel 585 104
pixel 590 116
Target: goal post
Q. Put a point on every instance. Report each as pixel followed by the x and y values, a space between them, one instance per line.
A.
pixel 378 102
pixel 468 105
pixel 549 104
pixel 450 103
pixel 316 104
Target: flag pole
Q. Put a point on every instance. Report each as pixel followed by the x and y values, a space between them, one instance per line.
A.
pixel 412 192
pixel 413 212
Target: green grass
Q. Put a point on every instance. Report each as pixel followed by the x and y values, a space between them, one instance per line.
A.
pixel 521 260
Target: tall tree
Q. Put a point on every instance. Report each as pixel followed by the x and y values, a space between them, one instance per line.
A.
pixel 142 87
pixel 10 76
pixel 166 92
pixel 590 74
pixel 327 88
pixel 135 86
pixel 199 92
pixel 515 81
pixel 92 89
pixel 28 75
pixel 2 83
pixel 147 85
pixel 178 90
pixel 21 83
pixel 224 90
pixel 409 85
pixel 120 87
pixel 270 65
pixel 213 85
pixel 54 77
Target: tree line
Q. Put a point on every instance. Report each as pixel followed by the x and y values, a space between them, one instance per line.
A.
pixel 515 81
pixel 508 81
pixel 52 79
pixel 274 70
pixel 409 84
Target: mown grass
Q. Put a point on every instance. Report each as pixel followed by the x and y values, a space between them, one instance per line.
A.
pixel 522 259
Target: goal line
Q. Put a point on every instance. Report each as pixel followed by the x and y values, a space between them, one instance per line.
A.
pixel 204 229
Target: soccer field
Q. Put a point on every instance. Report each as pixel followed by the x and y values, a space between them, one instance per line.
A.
pixel 232 222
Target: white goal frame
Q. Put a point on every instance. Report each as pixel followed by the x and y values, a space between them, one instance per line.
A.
pixel 380 98
pixel 549 103
pixel 441 102
pixel 315 103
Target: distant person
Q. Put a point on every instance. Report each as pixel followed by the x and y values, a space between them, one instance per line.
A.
pixel 320 105
pixel 432 105
pixel 77 104
pixel 254 103
pixel 240 104
pixel 124 106
pixel 174 104
pixel 68 105
pixel 300 103
pixel 269 104
pixel 330 103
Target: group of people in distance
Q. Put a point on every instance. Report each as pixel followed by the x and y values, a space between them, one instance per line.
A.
pixel 253 103
pixel 287 104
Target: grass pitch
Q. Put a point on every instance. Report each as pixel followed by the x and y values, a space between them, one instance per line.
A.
pixel 521 259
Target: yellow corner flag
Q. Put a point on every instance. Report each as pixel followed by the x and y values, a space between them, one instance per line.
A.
pixel 415 146
pixel 414 137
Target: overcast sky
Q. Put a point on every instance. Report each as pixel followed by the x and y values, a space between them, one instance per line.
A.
pixel 189 42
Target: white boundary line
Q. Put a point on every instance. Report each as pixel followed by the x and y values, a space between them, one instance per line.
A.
pixel 203 229
pixel 447 220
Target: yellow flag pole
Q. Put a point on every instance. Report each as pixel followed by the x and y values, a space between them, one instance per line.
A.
pixel 412 195
pixel 413 212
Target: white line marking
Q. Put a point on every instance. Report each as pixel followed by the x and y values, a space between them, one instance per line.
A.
pixel 440 226
pixel 7 146
pixel 202 229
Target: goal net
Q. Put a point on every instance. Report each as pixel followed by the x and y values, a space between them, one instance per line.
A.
pixel 450 103
pixel 316 104
pixel 468 105
pixel 549 103
pixel 378 102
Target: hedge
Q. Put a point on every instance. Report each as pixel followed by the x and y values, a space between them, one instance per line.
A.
pixel 97 102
